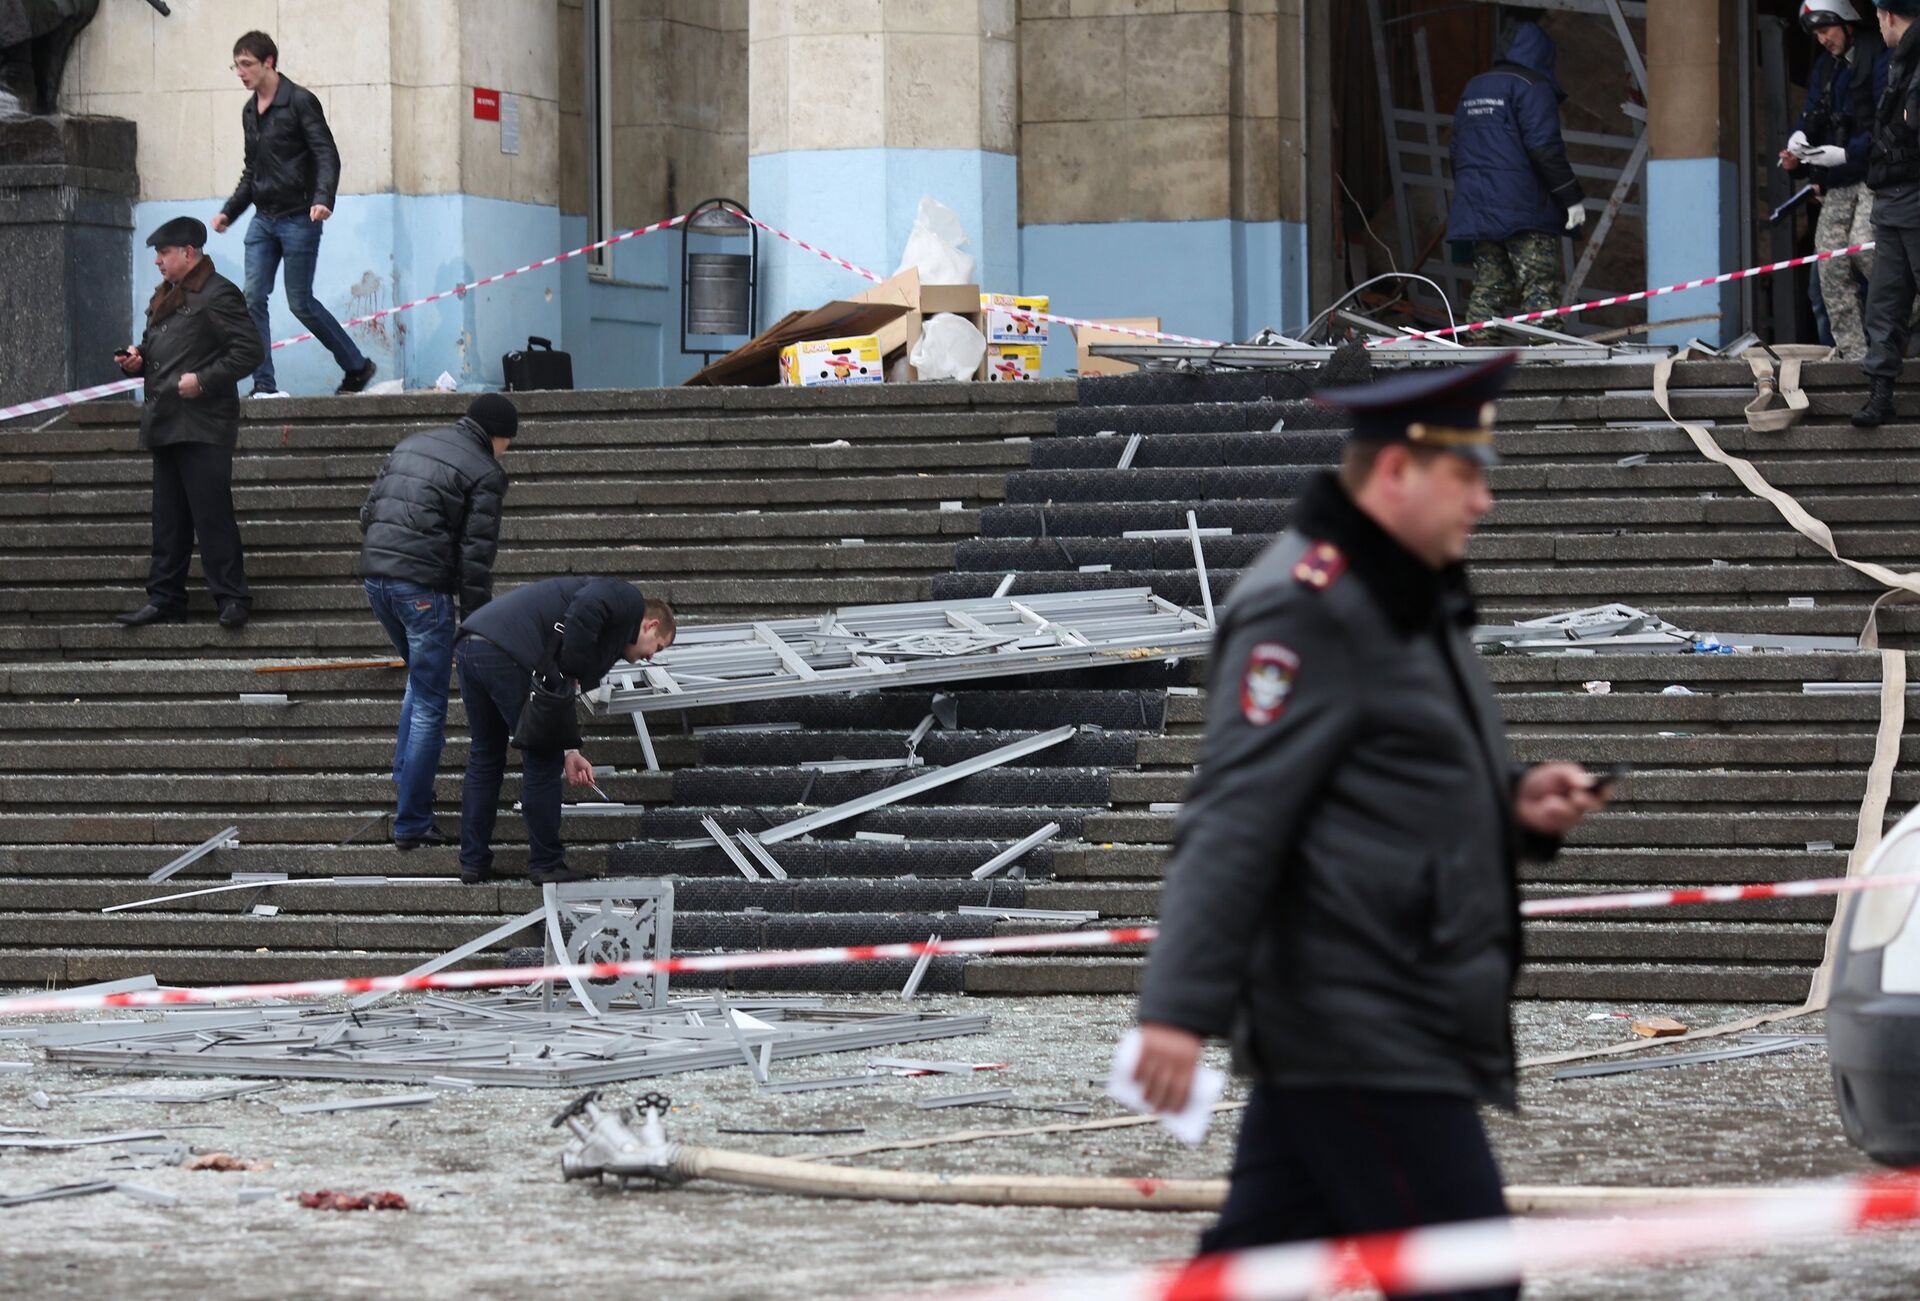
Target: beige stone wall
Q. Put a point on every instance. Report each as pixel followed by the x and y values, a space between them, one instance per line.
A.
pixel 394 76
pixel 679 106
pixel 1160 110
pixel 868 74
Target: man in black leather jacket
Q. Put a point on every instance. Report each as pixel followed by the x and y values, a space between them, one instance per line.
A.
pixel 290 179
pixel 1341 899
pixel 577 628
pixel 197 345
pixel 432 525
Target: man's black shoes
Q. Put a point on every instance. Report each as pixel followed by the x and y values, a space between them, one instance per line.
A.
pixel 146 614
pixel 432 836
pixel 233 615
pixel 482 877
pixel 560 874
pixel 1878 408
pixel 357 380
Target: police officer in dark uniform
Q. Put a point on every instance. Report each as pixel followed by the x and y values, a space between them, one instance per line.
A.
pixel 1340 900
pixel 1893 174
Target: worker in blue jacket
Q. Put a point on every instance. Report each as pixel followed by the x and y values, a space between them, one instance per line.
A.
pixel 1514 192
pixel 1829 146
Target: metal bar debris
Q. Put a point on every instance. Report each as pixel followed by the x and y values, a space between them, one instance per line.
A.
pixel 759 851
pixel 916 785
pixel 1012 853
pixel 358 1104
pixel 219 840
pixel 1200 565
pixel 963 1099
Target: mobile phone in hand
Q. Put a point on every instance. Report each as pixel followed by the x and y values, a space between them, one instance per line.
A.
pixel 1603 781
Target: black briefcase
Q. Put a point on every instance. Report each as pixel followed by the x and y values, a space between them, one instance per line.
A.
pixel 538 367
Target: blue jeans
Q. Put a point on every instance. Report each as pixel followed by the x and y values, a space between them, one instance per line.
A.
pixel 420 623
pixel 295 240
pixel 494 689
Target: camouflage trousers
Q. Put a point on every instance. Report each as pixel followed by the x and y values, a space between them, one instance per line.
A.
pixel 1521 274
pixel 1846 219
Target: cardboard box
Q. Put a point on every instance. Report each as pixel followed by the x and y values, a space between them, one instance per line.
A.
pixel 757 361
pixel 921 301
pixel 1085 336
pixel 1009 318
pixel 813 363
pixel 1011 362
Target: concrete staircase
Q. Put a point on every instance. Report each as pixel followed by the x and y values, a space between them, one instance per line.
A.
pixel 118 750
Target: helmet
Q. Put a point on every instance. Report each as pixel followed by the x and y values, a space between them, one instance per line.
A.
pixel 1815 14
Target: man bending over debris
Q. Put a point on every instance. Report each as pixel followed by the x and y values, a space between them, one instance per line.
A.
pixel 573 629
pixel 1341 898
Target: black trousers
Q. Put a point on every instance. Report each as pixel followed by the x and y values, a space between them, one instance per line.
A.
pixel 1890 293
pixel 193 497
pixel 1319 1163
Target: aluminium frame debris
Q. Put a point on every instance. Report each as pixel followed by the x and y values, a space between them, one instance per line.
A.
pixel 858 648
pixel 510 1040
pixel 219 840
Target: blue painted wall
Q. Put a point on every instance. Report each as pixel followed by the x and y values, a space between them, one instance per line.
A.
pixel 860 204
pixel 1212 279
pixel 1692 231
pixel 382 249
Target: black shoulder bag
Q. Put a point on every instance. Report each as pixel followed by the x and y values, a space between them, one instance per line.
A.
pixel 548 723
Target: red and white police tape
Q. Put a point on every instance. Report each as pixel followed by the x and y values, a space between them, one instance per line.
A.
pixel 1640 295
pixel 1493 1253
pixel 1637 296
pixel 68 399
pixel 309 989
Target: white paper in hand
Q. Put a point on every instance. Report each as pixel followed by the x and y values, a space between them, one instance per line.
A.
pixel 1188 1125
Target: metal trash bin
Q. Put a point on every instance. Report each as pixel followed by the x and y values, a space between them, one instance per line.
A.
pixel 1873 1010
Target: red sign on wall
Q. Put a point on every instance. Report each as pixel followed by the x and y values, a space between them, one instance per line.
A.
pixel 486 104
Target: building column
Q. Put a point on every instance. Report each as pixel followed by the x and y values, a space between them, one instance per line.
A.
pixel 1692 190
pixel 856 110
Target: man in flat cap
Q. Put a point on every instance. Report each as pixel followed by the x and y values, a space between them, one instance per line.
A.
pixel 198 345
pixel 1340 899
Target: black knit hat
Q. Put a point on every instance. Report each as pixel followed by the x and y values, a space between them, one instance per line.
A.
pixel 181 232
pixel 494 413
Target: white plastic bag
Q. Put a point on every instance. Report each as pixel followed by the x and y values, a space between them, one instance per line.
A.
pixel 933 246
pixel 949 347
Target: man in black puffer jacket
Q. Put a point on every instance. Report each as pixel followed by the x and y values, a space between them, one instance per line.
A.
pixel 432 526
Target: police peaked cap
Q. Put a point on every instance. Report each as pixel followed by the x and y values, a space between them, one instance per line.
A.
pixel 1901 8
pixel 181 232
pixel 1448 410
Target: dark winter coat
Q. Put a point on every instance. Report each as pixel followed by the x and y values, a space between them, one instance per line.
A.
pixel 601 616
pixel 1510 169
pixel 1839 107
pixel 433 514
pixel 1893 168
pixel 291 161
pixel 1340 898
pixel 200 326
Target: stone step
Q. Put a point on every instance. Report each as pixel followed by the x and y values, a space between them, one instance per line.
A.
pixel 825 860
pixel 1659 983
pixel 1640 790
pixel 339 568
pixel 708 493
pixel 1678 830
pixel 555 528
pixel 525 465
